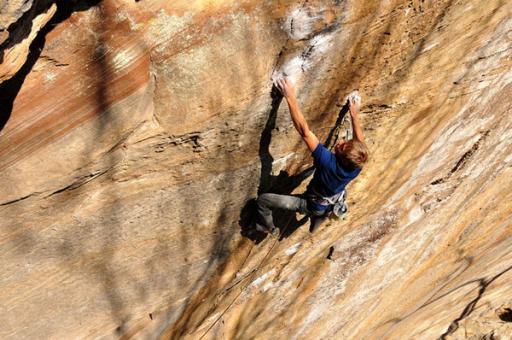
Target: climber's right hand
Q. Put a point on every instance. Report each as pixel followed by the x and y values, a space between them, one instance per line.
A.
pixel 354 105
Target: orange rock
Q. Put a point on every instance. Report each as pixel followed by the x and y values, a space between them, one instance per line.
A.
pixel 131 148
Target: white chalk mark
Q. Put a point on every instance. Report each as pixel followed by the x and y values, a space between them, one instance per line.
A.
pixel 293 249
pixel 299 23
pixel 355 97
pixel 295 68
pixel 267 286
pixel 123 58
pixel 280 163
pixel 49 77
pixel 262 278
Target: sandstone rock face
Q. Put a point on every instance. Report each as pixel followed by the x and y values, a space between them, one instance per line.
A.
pixel 20 22
pixel 133 142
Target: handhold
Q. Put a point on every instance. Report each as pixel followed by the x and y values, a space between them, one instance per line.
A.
pixel 355 97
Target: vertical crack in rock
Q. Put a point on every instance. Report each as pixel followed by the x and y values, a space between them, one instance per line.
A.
pixel 153 89
pixel 266 158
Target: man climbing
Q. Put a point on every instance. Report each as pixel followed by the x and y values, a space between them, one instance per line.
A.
pixel 333 171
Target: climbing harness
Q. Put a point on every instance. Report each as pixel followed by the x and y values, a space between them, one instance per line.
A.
pixel 331 200
pixel 340 208
pixel 337 207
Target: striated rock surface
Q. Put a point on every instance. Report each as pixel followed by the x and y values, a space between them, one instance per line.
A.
pixel 134 135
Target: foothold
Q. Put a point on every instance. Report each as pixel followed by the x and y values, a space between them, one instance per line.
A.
pixel 505 314
pixel 151 316
pixel 331 251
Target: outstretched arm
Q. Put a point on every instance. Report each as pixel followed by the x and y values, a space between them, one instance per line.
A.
pixel 299 122
pixel 354 106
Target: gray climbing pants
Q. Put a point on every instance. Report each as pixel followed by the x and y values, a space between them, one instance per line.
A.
pixel 267 202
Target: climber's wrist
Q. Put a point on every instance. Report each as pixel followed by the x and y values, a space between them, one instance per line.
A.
pixel 291 98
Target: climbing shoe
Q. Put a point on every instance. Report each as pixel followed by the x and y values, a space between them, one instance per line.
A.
pixel 273 231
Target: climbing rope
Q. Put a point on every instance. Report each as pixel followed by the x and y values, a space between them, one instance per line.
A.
pixel 251 275
pixel 348 136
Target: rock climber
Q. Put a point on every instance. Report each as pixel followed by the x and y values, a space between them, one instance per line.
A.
pixel 333 170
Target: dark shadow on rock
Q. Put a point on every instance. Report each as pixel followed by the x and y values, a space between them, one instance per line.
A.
pixel 266 159
pixel 470 307
pixel 331 251
pixel 333 136
pixel 505 314
pixel 10 88
pixel 288 222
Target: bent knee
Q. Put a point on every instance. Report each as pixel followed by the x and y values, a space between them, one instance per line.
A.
pixel 264 199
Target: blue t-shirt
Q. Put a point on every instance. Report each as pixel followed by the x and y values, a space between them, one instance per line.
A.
pixel 330 177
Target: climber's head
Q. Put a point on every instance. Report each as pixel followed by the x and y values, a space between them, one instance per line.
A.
pixel 352 153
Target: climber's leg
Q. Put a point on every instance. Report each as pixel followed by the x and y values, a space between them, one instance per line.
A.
pixel 317 221
pixel 267 202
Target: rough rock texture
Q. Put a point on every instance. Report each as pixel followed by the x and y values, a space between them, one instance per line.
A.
pixel 136 132
pixel 20 22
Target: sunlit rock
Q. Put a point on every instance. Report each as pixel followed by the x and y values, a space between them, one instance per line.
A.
pixel 134 134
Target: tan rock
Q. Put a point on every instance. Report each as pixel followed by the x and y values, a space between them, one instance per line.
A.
pixel 20 22
pixel 142 130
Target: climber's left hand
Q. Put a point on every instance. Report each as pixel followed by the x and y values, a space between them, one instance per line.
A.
pixel 286 87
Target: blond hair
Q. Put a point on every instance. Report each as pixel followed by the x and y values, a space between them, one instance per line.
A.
pixel 355 154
